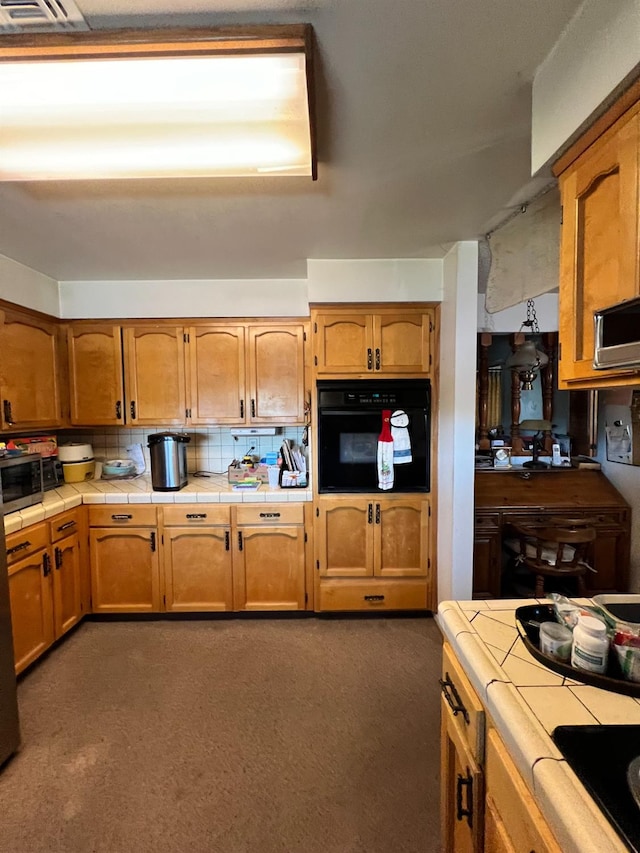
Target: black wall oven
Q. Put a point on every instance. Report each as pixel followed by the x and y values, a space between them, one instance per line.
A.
pixel 349 425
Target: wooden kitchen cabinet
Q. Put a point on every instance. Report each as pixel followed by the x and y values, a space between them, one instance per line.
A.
pixel 351 340
pixel 155 375
pixel 369 548
pixel 599 248
pixel 197 558
pixel 125 569
pixel 513 821
pixel 96 375
pixel 247 374
pixel 269 557
pixel 68 558
pixel 30 371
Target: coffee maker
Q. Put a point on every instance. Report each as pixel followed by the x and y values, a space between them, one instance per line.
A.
pixel 168 452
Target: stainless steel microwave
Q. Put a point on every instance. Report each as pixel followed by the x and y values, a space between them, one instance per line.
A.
pixel 20 481
pixel 617 336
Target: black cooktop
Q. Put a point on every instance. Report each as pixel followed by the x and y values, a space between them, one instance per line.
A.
pixel 599 756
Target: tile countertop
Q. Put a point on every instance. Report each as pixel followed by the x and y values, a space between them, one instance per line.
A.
pixel 212 489
pixel 526 701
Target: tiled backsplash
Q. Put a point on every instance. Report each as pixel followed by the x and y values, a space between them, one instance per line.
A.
pixel 210 449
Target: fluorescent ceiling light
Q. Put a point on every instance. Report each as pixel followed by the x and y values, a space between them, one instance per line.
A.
pixel 150 109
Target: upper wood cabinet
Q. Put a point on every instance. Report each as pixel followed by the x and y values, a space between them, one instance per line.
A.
pixel 155 375
pixel 250 374
pixel 599 250
pixel 348 340
pixel 96 375
pixel 30 372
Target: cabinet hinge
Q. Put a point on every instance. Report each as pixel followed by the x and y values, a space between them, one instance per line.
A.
pixel 430 325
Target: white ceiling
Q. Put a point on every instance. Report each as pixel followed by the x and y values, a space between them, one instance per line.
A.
pixel 423 113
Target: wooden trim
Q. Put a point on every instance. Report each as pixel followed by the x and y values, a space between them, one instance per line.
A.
pixel 625 102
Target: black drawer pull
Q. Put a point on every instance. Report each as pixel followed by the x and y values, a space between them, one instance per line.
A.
pixel 453 698
pixel 269 515
pixel 195 515
pixel 65 526
pixel 374 597
pixel 462 811
pixel 20 547
pixel 122 517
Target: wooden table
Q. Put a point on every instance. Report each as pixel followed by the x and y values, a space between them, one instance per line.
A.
pixel 525 497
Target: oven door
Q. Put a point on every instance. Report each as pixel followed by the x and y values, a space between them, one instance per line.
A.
pixel 347 452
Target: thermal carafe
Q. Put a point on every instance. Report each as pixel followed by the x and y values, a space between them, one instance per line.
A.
pixel 168 452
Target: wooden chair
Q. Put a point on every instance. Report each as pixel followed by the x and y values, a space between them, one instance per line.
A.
pixel 556 551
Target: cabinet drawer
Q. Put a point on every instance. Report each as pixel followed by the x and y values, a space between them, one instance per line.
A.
pixel 125 515
pixel 22 543
pixel 508 795
pixel 490 521
pixel 372 595
pixel 270 514
pixel 463 703
pixel 65 524
pixel 196 515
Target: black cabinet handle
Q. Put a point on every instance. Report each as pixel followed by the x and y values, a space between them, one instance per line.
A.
pixel 196 515
pixel 132 409
pixel 253 408
pixel 369 359
pixel 240 540
pixel 57 558
pixel 269 515
pixel 453 698
pixel 118 409
pixel 242 409
pixel 46 564
pixel 121 517
pixel 370 514
pixel 377 358
pixel 8 417
pixel 377 513
pixel 466 810
pixel 152 540
pixel 65 526
pixel 374 597
pixel 19 547
pixel 227 540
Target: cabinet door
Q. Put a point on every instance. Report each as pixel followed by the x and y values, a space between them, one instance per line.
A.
pixel 29 372
pixel 599 253
pixel 268 568
pixel 609 556
pixel 486 556
pixel 343 343
pixel 96 383
pixel 217 375
pixel 31 604
pixel 197 569
pixel 462 790
pixel 276 374
pixel 402 343
pixel 124 570
pixel 155 375
pixel 344 536
pixel 401 543
pixel 67 591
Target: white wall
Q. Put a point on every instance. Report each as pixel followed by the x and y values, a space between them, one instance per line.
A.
pixel 404 280
pixel 510 320
pixel 27 287
pixel 457 422
pixel 599 48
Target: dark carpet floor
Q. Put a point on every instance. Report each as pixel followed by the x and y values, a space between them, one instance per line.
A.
pixel 296 736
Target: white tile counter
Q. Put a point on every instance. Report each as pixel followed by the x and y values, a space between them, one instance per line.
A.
pixel 526 701
pixel 211 489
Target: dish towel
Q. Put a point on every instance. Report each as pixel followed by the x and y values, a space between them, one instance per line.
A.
pixel 385 453
pixel 401 438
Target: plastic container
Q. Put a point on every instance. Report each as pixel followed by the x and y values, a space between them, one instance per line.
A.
pixel 555 640
pixel 590 648
pixel 78 472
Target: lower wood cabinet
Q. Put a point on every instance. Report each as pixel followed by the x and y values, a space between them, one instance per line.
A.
pixel 374 552
pixel 485 804
pixel 45 584
pixel 125 569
